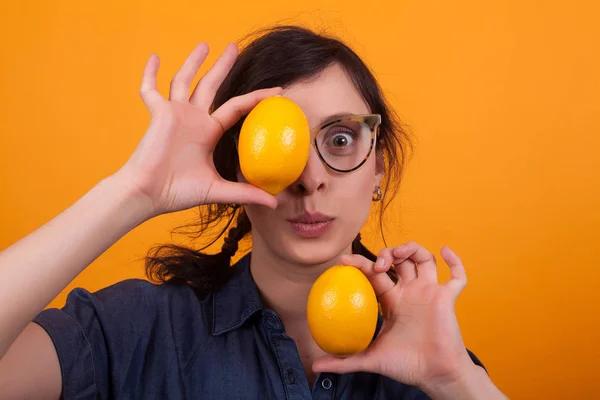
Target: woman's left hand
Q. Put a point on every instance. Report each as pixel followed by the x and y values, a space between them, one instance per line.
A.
pixel 420 343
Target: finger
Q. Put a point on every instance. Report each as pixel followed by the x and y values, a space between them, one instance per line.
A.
pixel 226 192
pixel 458 275
pixel 380 281
pixel 235 108
pixel 385 259
pixel 406 269
pixel 354 363
pixel 423 258
pixel 205 90
pixel 148 91
pixel 180 85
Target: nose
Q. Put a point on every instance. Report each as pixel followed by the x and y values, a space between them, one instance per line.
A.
pixel 314 176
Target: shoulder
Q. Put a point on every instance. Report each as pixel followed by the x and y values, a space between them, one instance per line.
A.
pixel 127 312
pixel 134 293
pixel 136 303
pixel 118 337
pixel 139 292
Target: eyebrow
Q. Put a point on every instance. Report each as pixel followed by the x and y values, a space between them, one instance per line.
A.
pixel 335 116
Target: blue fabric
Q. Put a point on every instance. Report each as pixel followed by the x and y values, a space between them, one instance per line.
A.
pixel 137 340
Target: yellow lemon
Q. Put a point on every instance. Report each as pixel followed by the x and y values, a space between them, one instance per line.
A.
pixel 342 310
pixel 274 143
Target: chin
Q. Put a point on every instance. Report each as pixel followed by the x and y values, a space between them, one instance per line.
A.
pixel 315 251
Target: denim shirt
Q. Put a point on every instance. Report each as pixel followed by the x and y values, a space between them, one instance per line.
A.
pixel 138 340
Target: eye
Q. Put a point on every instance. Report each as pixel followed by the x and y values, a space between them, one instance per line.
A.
pixel 341 140
pixel 341 137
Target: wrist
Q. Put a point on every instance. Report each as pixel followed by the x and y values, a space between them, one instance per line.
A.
pixel 473 383
pixel 136 206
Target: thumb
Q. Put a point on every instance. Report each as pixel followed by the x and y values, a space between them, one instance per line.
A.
pixel 354 363
pixel 242 193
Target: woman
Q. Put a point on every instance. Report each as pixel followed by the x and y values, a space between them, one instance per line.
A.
pixel 211 331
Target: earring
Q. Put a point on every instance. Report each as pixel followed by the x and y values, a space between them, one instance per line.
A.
pixel 377 194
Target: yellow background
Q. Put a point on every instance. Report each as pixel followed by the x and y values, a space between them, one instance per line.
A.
pixel 502 96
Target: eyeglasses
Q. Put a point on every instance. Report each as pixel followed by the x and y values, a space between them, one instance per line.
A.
pixel 345 144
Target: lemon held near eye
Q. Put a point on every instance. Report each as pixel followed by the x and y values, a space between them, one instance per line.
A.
pixel 342 311
pixel 274 143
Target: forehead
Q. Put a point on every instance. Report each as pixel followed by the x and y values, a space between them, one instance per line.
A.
pixel 331 92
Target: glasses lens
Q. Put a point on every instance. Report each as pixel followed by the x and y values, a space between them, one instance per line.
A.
pixel 345 144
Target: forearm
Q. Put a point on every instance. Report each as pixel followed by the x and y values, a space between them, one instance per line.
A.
pixel 473 385
pixel 36 268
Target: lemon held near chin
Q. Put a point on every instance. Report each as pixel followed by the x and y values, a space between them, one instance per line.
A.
pixel 342 311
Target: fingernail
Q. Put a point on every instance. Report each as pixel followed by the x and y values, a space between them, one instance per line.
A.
pixel 379 263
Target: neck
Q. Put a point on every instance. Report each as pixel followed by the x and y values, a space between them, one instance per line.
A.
pixel 283 284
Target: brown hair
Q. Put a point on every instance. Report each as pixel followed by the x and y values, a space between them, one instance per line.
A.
pixel 276 56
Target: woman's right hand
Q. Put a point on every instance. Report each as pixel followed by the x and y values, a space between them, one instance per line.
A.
pixel 173 166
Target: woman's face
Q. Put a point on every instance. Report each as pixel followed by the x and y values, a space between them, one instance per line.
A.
pixel 344 200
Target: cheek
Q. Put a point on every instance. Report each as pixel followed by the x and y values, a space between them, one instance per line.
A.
pixel 258 215
pixel 364 200
pixel 265 220
pixel 263 223
pixel 357 192
pixel 361 183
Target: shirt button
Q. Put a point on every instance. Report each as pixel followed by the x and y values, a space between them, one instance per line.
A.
pixel 326 384
pixel 273 322
pixel 290 376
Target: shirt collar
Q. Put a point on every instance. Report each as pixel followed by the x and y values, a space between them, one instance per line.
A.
pixel 236 301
